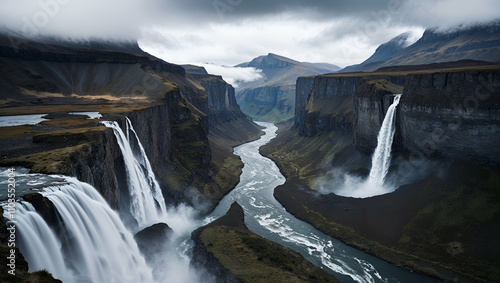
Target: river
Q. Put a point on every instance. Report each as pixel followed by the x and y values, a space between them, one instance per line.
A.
pixel 265 216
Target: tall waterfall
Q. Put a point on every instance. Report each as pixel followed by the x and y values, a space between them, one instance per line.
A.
pixel 93 245
pixel 381 159
pixel 147 204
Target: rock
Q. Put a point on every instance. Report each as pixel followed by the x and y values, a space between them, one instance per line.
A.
pixel 455 115
pixel 152 240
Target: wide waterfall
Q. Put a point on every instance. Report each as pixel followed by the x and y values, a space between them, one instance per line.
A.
pixel 381 159
pixel 147 204
pixel 38 243
pixel 92 244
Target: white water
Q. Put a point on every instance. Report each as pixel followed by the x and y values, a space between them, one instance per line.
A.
pixel 94 246
pixel 147 204
pixel 17 120
pixel 38 243
pixel 381 159
pixel 265 216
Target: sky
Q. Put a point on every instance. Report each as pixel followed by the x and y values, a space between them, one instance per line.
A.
pixel 228 32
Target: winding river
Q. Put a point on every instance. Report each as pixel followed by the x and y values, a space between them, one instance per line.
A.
pixel 265 216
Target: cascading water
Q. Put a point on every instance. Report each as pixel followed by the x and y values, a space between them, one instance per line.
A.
pixel 147 204
pixel 381 159
pixel 93 246
pixel 38 243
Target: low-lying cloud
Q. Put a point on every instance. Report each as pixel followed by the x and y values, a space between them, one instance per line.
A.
pixel 228 32
pixel 234 75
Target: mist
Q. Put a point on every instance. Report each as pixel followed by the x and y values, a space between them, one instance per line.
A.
pixel 402 172
pixel 234 75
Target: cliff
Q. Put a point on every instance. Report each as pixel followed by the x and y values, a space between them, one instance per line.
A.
pixel 452 114
pixel 271 98
pixel 329 104
pixel 173 117
pixel 371 101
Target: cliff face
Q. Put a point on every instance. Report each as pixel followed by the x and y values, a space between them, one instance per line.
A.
pixel 371 101
pixel 172 114
pixel 328 106
pixel 455 115
pixel 302 89
pixel 330 103
pixel 271 98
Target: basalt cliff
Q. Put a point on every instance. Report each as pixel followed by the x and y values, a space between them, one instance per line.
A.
pixel 186 125
pixel 446 128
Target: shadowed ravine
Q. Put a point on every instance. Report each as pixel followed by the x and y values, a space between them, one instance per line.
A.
pixel 266 217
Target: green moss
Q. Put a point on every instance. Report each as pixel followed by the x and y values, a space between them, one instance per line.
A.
pixel 49 162
pixel 254 259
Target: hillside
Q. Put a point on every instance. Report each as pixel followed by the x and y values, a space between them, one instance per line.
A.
pixel 272 98
pixel 479 42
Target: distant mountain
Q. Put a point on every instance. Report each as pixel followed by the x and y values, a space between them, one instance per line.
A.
pixel 479 42
pixel 272 98
pixel 383 53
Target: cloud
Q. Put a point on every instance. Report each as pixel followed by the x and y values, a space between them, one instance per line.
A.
pixel 80 18
pixel 227 32
pixel 234 75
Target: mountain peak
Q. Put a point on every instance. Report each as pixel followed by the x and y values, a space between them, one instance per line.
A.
pixel 271 61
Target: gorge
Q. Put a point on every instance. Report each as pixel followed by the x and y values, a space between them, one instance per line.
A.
pixel 133 169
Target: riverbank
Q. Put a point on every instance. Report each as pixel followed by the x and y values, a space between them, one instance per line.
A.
pixel 442 225
pixel 231 252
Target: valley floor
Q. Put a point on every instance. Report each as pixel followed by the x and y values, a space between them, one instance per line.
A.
pixel 444 225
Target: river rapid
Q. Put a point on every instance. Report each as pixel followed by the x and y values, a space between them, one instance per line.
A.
pixel 265 216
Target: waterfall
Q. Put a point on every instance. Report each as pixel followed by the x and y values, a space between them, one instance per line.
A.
pixel 93 242
pixel 38 243
pixel 147 204
pixel 381 158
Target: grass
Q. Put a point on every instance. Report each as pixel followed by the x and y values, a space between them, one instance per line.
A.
pixel 65 123
pixel 49 162
pixel 16 132
pixel 458 226
pixel 254 259
pixel 102 108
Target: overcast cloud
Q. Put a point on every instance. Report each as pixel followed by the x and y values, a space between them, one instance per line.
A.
pixel 228 32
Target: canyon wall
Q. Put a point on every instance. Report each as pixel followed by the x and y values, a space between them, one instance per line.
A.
pixel 329 104
pixel 451 114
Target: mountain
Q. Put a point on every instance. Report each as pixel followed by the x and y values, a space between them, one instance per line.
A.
pixel 479 42
pixel 383 53
pixel 272 97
